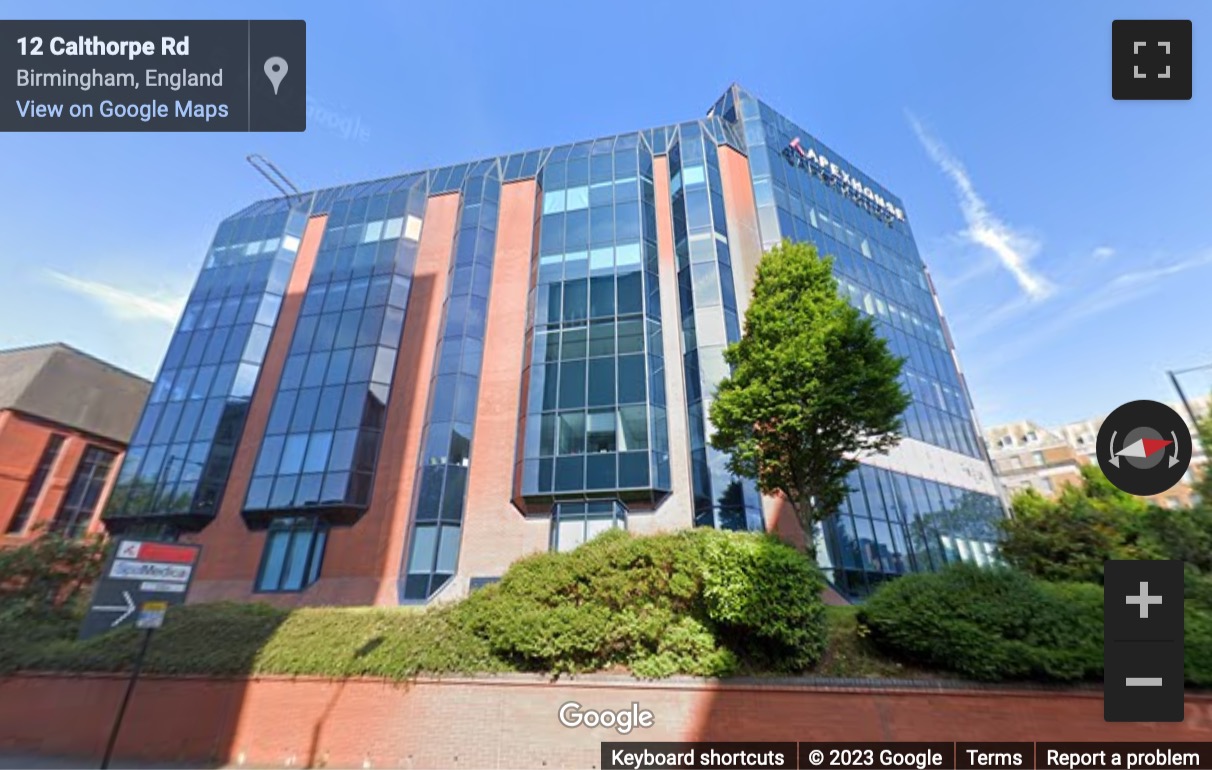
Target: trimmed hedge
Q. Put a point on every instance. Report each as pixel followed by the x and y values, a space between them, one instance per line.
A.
pixel 228 639
pixel 999 624
pixel 699 601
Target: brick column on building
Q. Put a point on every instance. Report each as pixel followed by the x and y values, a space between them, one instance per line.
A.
pixel 19 457
pixel 745 245
pixel 495 533
pixel 677 510
pixel 381 537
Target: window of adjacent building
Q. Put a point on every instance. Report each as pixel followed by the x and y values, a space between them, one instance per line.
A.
pixel 1037 458
pixel 293 552
pixel 37 482
pixel 84 492
pixel 1044 485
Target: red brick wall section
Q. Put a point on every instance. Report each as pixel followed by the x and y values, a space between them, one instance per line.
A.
pixel 18 456
pixel 22 441
pixel 384 529
pixel 495 533
pixel 360 562
pixel 512 722
pixel 744 237
pixel 677 510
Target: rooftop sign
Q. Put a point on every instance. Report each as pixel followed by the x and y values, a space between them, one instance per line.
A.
pixel 853 188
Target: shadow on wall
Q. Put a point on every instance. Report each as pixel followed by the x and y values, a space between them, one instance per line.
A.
pixel 360 561
pixel 181 719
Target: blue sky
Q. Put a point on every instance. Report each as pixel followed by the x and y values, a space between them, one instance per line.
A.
pixel 1068 234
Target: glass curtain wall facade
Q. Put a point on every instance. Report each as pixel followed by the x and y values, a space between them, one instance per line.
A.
pixel 707 298
pixel 595 432
pixel 322 442
pixel 180 455
pixel 595 420
pixel 806 192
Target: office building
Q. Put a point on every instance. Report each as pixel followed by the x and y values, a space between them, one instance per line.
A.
pixel 386 392
pixel 65 419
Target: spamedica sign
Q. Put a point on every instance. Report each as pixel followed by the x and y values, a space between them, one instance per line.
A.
pixel 141 580
pixel 176 575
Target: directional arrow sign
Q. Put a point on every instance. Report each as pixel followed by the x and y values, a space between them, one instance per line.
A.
pixel 141 578
pixel 123 610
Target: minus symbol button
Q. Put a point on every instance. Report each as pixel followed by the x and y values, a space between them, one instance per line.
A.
pixel 1143 681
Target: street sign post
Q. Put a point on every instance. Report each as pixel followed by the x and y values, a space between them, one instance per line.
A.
pixel 140 581
pixel 137 573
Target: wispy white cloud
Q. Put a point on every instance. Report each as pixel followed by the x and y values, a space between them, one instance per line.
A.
pixel 1137 278
pixel 163 307
pixel 1103 252
pixel 1122 289
pixel 989 320
pixel 1014 249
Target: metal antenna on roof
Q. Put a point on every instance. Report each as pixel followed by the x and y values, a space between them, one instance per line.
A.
pixel 267 169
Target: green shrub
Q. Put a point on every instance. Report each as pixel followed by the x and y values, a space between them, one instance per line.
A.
pixel 696 602
pixel 1197 587
pixel 764 598
pixel 999 624
pixel 229 639
pixel 1067 632
pixel 989 624
pixel 702 602
pixel 1197 662
pixel 49 574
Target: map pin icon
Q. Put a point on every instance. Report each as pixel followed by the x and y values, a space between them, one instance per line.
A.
pixel 275 70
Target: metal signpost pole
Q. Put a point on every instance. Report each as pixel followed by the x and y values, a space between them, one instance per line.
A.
pixel 140 581
pixel 130 688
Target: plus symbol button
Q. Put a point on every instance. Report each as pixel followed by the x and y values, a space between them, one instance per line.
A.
pixel 1144 600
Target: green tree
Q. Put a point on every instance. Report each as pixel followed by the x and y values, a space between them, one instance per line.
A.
pixel 1203 483
pixel 812 387
pixel 49 573
pixel 1070 537
pixel 1181 533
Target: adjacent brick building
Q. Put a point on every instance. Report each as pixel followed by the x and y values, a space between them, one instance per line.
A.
pixel 65 419
pixel 388 391
pixel 1027 455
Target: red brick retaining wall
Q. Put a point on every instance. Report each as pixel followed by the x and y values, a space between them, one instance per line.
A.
pixel 512 722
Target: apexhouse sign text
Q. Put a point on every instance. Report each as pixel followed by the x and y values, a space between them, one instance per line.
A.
pixel 849 186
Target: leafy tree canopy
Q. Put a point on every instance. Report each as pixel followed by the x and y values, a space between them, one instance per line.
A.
pixel 812 386
pixel 1070 537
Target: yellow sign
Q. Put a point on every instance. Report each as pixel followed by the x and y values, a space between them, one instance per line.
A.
pixel 151 615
